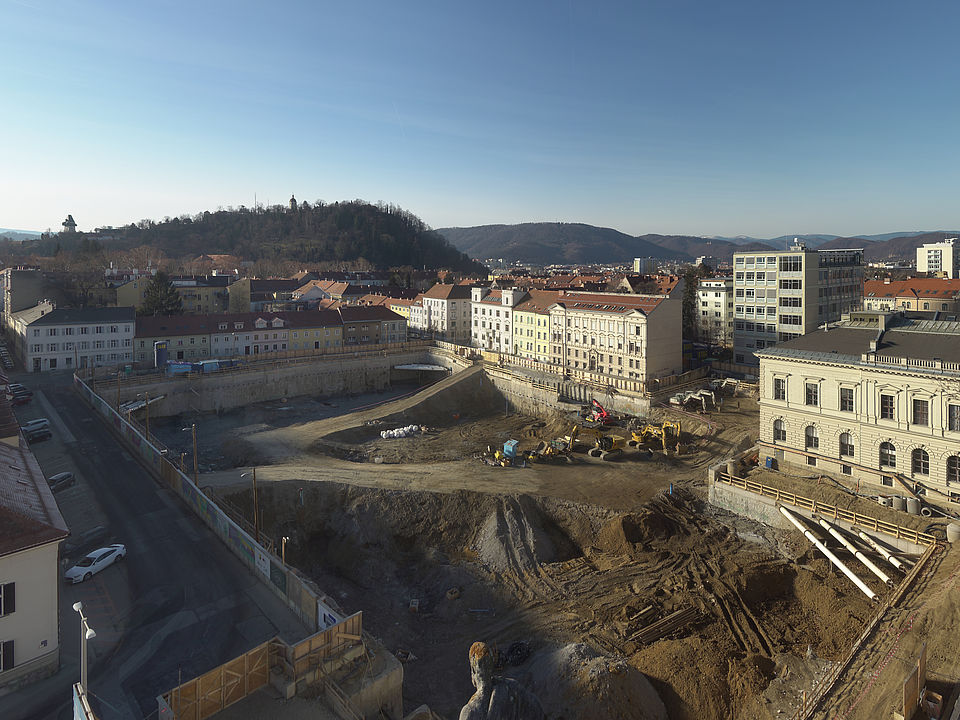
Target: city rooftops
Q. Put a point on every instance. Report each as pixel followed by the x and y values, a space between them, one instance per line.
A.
pixel 85 316
pixel 29 515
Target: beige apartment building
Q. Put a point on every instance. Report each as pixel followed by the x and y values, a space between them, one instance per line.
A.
pixel 31 529
pixel 715 311
pixel 874 396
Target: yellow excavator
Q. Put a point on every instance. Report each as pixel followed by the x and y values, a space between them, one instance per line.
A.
pixel 668 433
pixel 559 450
pixel 607 447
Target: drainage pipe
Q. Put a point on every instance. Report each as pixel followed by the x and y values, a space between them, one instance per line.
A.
pixel 856 553
pixel 830 556
pixel 886 556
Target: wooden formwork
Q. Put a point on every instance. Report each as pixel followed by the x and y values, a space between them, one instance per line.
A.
pixel 308 654
pixel 203 696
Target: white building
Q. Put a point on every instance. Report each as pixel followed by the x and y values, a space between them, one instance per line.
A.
pixel 715 311
pixel 939 259
pixel 446 312
pixel 877 395
pixel 780 295
pixel 31 529
pixel 645 265
pixel 492 320
pixel 49 338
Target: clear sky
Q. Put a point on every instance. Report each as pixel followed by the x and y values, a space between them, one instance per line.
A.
pixel 709 118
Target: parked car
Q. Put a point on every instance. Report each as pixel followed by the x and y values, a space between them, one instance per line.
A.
pixel 61 481
pixel 91 564
pixel 17 387
pixel 38 424
pixel 35 436
pixel 19 399
pixel 85 541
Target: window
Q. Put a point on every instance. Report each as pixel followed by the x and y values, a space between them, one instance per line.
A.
pixel 791 284
pixel 8 598
pixel 6 655
pixel 846 470
pixel 791 263
pixel 846 444
pixel 812 396
pixel 779 431
pixel 953 417
pixel 921 412
pixel 779 388
pixel 886 481
pixel 791 302
pixel 953 470
pixel 920 462
pixel 846 399
pixel 811 440
pixel 811 460
pixel 888 455
pixel 886 407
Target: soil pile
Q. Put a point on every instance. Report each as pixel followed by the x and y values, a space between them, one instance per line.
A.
pixel 513 539
pixel 575 682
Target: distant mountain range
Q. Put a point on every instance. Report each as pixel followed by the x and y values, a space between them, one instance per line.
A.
pixel 18 235
pixel 580 244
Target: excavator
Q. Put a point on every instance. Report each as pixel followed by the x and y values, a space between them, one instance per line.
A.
pixel 607 447
pixel 668 433
pixel 595 415
pixel 558 450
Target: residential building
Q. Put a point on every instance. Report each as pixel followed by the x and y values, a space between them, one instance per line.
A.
pixel 940 259
pixel 401 306
pixel 417 320
pixel 715 311
pixel 874 396
pixel 781 295
pixel 531 324
pixel 644 265
pixel 630 336
pixel 709 260
pixel 199 295
pixel 446 312
pixel 252 294
pixel 24 288
pixel 492 318
pixel 924 294
pixel 31 529
pixel 371 325
pixel 50 338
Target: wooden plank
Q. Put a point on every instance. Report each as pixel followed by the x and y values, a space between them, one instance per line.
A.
pixel 911 695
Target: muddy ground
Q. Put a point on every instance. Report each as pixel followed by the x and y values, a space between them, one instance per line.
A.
pixel 572 564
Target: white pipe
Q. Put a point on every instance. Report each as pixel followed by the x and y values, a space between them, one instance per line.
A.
pixel 830 556
pixel 886 556
pixel 856 553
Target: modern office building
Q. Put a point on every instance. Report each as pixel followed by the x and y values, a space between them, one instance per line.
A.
pixel 940 259
pixel 781 295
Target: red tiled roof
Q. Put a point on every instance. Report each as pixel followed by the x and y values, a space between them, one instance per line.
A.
pixel 449 292
pixel 609 302
pixel 930 288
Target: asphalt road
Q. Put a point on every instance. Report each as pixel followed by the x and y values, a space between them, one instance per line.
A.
pixel 179 605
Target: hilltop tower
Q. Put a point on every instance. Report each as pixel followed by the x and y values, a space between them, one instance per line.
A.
pixel 69 226
pixel 293 204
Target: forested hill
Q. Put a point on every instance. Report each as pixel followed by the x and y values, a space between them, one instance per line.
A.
pixel 383 236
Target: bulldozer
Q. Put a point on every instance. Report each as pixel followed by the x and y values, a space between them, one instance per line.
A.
pixel 608 447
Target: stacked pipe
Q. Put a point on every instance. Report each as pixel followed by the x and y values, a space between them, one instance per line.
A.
pixel 400 432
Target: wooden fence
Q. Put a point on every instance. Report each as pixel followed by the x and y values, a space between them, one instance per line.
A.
pixel 829 511
pixel 208 694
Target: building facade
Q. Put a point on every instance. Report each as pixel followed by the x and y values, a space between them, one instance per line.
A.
pixel 31 529
pixel 940 259
pixel 924 294
pixel 491 327
pixel 715 311
pixel 781 295
pixel 446 312
pixel 48 338
pixel 873 397
pixel 199 295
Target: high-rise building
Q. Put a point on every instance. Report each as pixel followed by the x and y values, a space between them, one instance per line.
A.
pixel 939 259
pixel 783 294
pixel 715 311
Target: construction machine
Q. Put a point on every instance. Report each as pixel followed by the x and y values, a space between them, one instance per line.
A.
pixel 608 447
pixel 595 415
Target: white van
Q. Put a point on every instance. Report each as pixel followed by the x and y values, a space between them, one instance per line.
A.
pixel 38 424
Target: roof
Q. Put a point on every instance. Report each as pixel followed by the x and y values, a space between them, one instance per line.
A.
pixel 9 427
pixel 83 316
pixel 357 313
pixel 444 291
pixel 29 515
pixel 494 297
pixel 164 325
pixel 927 288
pixel 913 338
pixel 272 285
pixel 538 301
pixel 609 302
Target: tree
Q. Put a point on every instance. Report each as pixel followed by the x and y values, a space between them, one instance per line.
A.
pixel 160 297
pixel 691 283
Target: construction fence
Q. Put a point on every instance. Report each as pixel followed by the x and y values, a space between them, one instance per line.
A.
pixel 299 595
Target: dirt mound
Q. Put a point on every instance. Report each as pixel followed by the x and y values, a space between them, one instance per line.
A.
pixel 513 537
pixel 575 682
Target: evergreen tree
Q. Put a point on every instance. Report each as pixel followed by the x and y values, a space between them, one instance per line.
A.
pixel 160 297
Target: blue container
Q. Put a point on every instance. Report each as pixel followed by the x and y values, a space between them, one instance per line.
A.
pixel 771 463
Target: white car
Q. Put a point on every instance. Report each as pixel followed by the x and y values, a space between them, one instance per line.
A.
pixel 95 562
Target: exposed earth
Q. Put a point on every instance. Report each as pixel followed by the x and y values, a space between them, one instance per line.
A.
pixel 567 569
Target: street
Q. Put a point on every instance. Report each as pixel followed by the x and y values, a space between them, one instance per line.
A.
pixel 180 603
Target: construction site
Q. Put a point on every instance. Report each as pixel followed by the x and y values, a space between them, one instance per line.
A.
pixel 590 548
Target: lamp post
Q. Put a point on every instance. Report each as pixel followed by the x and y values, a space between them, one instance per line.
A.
pixel 196 473
pixel 86 633
pixel 146 408
pixel 256 505
pixel 283 549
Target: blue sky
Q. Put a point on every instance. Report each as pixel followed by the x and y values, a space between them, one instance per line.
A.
pixel 706 118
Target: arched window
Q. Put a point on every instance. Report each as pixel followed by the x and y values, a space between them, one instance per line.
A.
pixel 846 444
pixel 920 462
pixel 810 436
pixel 888 455
pixel 953 469
pixel 779 431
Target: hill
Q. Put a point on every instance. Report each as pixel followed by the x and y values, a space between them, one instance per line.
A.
pixel 381 236
pixel 580 244
pixel 18 235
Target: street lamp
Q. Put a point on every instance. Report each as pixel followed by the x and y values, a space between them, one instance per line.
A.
pixel 196 474
pixel 86 633
pixel 283 549
pixel 256 505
